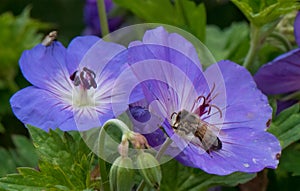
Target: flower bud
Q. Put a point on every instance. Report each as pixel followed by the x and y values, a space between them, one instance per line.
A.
pixel 121 174
pixel 138 140
pixel 150 169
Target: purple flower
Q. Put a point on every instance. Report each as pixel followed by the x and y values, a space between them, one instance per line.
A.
pixel 91 17
pixel 72 88
pixel 216 118
pixel 282 75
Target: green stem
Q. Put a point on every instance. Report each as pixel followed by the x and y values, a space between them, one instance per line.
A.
pixel 141 186
pixel 159 154
pixel 103 174
pixel 102 164
pixel 163 148
pixel 292 96
pixel 102 17
pixel 254 46
pixel 282 39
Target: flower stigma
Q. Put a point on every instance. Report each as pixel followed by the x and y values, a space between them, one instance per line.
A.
pixel 206 103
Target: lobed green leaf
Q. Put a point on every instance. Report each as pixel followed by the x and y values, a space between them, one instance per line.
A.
pixel 65 164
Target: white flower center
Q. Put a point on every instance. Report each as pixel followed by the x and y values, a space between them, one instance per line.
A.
pixel 83 94
pixel 83 97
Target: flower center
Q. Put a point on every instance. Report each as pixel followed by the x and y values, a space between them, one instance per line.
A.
pixel 83 81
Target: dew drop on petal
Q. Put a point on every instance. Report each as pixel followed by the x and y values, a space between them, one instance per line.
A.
pixel 246 165
pixel 254 160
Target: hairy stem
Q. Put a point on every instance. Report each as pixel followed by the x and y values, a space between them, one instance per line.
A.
pixel 254 46
pixel 102 17
pixel 103 174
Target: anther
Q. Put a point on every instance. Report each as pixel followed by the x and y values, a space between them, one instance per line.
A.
pixel 86 78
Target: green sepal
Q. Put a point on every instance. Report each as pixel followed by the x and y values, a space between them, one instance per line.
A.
pixel 121 174
pixel 149 169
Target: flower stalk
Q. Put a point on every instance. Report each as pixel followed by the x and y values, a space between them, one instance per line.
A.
pixel 102 17
pixel 255 44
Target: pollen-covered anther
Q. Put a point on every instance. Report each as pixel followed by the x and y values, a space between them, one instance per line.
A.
pixel 86 78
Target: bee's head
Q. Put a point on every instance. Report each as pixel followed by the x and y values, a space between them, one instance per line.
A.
pixel 176 117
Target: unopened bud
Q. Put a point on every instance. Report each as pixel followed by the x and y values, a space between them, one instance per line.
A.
pixel 121 174
pixel 138 141
pixel 150 169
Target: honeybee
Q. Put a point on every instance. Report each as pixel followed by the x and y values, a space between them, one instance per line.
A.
pixel 189 123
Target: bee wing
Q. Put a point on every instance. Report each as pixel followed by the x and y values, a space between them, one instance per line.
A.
pixel 217 131
pixel 194 118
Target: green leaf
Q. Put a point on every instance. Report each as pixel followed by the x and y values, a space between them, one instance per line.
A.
pixel 261 12
pixel 177 177
pixel 2 129
pixel 286 126
pixel 181 13
pixel 194 18
pixel 7 165
pixel 231 43
pixel 17 34
pixel 23 155
pixel 65 164
pixel 26 154
pixel 289 160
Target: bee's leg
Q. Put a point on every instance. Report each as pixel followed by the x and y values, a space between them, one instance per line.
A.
pixel 174 113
